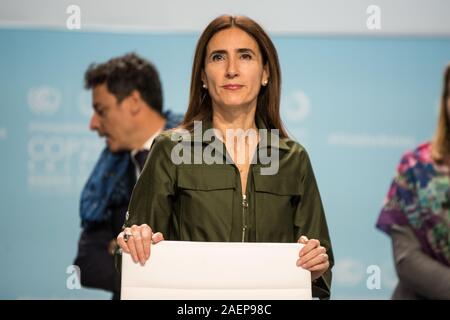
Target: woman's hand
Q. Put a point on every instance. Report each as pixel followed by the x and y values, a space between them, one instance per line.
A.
pixel 313 257
pixel 137 240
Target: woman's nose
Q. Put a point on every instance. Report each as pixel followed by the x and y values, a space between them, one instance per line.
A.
pixel 232 69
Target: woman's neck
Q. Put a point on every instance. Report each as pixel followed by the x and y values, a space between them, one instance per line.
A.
pixel 233 118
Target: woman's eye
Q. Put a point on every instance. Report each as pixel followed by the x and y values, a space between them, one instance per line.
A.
pixel 217 57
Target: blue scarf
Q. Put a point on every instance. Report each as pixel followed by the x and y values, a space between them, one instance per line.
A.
pixel 109 184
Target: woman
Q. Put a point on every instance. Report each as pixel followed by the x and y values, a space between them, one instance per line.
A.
pixel 235 87
pixel 416 214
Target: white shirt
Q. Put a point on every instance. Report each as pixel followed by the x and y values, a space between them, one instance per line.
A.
pixel 145 146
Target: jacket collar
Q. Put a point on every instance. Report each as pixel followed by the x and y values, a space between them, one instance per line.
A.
pixel 282 145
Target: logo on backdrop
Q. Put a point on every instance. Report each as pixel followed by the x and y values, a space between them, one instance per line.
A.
pixel 361 140
pixel 296 109
pixel 44 100
pixel 299 107
pixel 61 149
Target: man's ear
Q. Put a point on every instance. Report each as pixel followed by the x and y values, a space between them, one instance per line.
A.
pixel 134 102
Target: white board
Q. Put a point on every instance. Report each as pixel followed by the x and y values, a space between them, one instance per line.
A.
pixel 217 271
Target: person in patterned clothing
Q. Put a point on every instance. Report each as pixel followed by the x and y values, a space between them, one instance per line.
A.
pixel 416 214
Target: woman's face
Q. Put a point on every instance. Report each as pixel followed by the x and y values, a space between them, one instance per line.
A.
pixel 234 70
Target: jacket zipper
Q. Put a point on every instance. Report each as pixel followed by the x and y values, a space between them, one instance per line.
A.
pixel 244 216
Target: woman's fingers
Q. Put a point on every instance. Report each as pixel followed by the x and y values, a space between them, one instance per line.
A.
pixel 121 242
pixel 137 241
pixel 131 245
pixel 157 237
pixel 133 239
pixel 315 261
pixel 321 267
pixel 303 239
pixel 147 234
pixel 312 254
pixel 309 245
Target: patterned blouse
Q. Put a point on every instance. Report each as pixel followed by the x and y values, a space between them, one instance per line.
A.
pixel 419 197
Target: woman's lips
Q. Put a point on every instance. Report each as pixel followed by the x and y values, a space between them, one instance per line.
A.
pixel 232 86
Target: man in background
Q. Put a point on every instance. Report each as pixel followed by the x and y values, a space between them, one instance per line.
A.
pixel 128 112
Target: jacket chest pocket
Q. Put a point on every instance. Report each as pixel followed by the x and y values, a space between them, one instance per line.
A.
pixel 277 199
pixel 205 203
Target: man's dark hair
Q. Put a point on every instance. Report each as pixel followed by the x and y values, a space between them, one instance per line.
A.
pixel 124 74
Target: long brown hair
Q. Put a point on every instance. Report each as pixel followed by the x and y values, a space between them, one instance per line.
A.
pixel 268 105
pixel 440 146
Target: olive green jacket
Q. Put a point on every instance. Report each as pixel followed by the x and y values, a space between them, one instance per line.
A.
pixel 204 202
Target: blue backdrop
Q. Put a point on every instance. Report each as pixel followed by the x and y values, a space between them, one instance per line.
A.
pixel 355 103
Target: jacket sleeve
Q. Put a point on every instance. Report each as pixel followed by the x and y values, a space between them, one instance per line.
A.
pixel 310 221
pixel 415 269
pixel 152 198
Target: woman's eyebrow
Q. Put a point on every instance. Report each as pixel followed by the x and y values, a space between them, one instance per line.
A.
pixel 245 50
pixel 221 51
pixel 240 50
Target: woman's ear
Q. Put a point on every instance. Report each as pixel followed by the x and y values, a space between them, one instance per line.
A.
pixel 266 74
pixel 204 80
